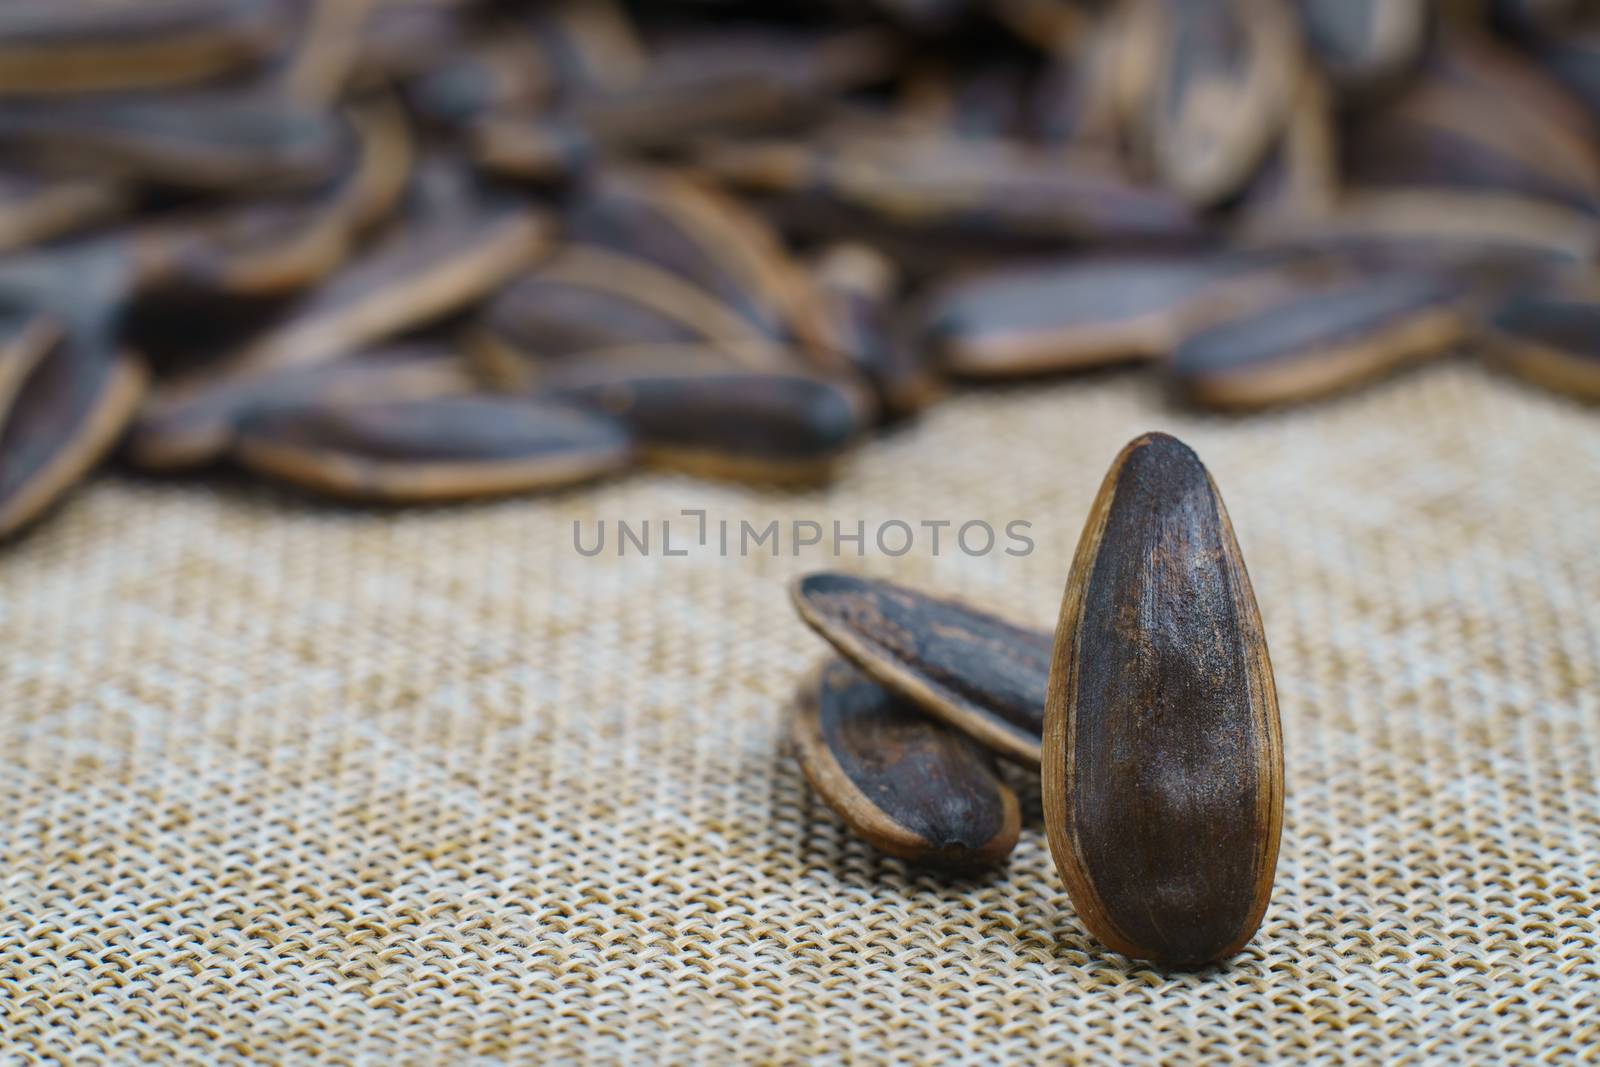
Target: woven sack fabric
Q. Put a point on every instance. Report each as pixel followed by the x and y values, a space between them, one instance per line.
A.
pixel 291 782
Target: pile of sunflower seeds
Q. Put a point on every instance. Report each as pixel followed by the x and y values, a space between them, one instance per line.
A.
pixel 404 250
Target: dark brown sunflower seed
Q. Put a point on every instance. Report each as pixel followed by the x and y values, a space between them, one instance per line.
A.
pixel 505 74
pixel 272 247
pixel 1485 239
pixel 987 102
pixel 71 394
pixel 993 194
pixel 1552 341
pixel 693 231
pixel 693 409
pixel 193 140
pixel 1163 756
pixel 1478 119
pixel 972 670
pixel 27 336
pixel 1573 59
pixel 1226 72
pixel 908 785
pixel 179 428
pixel 443 448
pixel 587 298
pixel 858 285
pixel 1082 312
pixel 417 275
pixel 1536 18
pixel 1365 44
pixel 49 47
pixel 698 84
pixel 35 208
pixel 1321 340
pixel 322 61
pixel 1299 179
pixel 403 39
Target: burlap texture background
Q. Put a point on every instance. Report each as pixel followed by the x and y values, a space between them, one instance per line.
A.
pixel 289 782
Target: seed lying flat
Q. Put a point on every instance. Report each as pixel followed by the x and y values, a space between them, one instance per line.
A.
pixel 1163 760
pixel 421 272
pixel 436 449
pixel 75 47
pixel 36 208
pixel 692 409
pixel 1554 341
pixel 66 389
pixel 909 785
pixel 1002 194
pixel 193 140
pixel 179 428
pixel 977 672
pixel 273 246
pixel 704 237
pixel 1321 341
pixel 1088 311
pixel 586 298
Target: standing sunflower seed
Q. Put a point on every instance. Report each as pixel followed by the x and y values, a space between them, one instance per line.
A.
pixel 1163 759
pixel 1320 341
pixel 909 785
pixel 977 672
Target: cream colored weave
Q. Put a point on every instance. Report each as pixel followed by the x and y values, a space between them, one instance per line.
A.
pixel 290 782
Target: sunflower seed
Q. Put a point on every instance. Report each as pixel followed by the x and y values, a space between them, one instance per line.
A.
pixel 419 274
pixel 691 409
pixel 1088 311
pixel 1551 340
pixel 194 140
pixel 35 208
pixel 998 193
pixel 1365 44
pixel 857 285
pixel 70 389
pixel 687 228
pixel 270 247
pixel 1226 71
pixel 179 428
pixel 48 47
pixel 908 785
pixel 1163 757
pixel 434 449
pixel 587 298
pixel 1320 341
pixel 972 670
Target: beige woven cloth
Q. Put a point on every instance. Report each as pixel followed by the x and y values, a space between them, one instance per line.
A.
pixel 290 782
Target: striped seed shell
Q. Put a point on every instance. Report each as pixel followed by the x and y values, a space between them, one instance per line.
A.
pixel 1163 756
pixel 431 449
pixel 1321 340
pixel 972 670
pixel 909 785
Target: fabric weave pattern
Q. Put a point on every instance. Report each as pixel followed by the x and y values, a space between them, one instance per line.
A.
pixel 285 781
